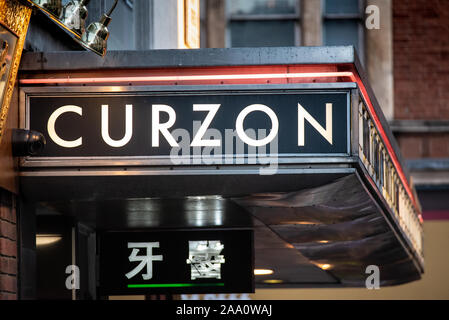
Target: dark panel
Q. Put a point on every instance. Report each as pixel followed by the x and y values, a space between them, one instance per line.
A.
pixel 135 214
pixel 48 188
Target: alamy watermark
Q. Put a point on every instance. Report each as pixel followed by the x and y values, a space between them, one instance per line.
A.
pixel 236 147
pixel 73 280
pixel 373 280
pixel 372 20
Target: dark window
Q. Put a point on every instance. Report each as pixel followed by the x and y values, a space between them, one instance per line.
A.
pixel 262 7
pixel 262 23
pixel 342 7
pixel 343 24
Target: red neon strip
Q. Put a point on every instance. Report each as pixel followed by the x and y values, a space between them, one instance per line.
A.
pixel 350 74
pixel 188 78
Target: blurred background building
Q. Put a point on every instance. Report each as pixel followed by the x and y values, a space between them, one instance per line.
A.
pixel 406 59
pixel 407 63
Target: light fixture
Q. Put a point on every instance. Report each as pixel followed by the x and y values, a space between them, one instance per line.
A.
pixel 262 272
pixel 72 19
pixel 208 197
pixel 273 281
pixel 74 15
pixel 51 6
pixel 301 222
pixel 47 239
pixel 324 266
pixel 96 36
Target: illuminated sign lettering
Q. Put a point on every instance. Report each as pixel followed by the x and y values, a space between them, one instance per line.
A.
pixel 205 259
pixel 145 260
pixel 293 123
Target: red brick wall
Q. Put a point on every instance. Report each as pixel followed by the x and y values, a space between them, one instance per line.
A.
pixel 8 246
pixel 428 145
pixel 421 72
pixel 421 59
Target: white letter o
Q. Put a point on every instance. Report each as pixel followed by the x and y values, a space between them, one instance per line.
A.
pixel 241 132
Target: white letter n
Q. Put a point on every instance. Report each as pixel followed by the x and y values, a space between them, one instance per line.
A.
pixel 326 133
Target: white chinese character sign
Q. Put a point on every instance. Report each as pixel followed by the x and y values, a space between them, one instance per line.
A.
pixel 176 261
pixel 205 259
pixel 146 260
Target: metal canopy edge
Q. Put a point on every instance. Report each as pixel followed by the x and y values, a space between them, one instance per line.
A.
pixel 175 58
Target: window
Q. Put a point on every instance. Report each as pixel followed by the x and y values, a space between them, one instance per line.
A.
pixel 343 24
pixel 262 23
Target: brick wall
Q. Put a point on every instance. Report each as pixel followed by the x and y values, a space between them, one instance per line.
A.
pixel 421 72
pixel 8 246
pixel 421 59
pixel 428 145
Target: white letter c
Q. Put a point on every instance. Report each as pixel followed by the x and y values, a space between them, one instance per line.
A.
pixel 51 126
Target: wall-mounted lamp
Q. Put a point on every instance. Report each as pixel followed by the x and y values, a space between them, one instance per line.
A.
pixel 72 18
pixel 96 36
pixel 74 15
pixel 27 142
pixel 52 6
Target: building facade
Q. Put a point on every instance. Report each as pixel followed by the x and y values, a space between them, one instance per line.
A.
pixel 400 47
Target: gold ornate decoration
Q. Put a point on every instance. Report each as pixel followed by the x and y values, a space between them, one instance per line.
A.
pixel 3 52
pixel 16 17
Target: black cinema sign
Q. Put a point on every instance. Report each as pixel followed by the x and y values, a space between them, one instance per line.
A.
pixel 285 123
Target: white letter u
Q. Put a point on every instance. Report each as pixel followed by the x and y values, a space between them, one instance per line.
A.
pixel 105 126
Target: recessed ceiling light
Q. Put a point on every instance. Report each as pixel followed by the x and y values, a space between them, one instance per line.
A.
pixel 273 281
pixel 261 272
pixel 324 266
pixel 46 239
